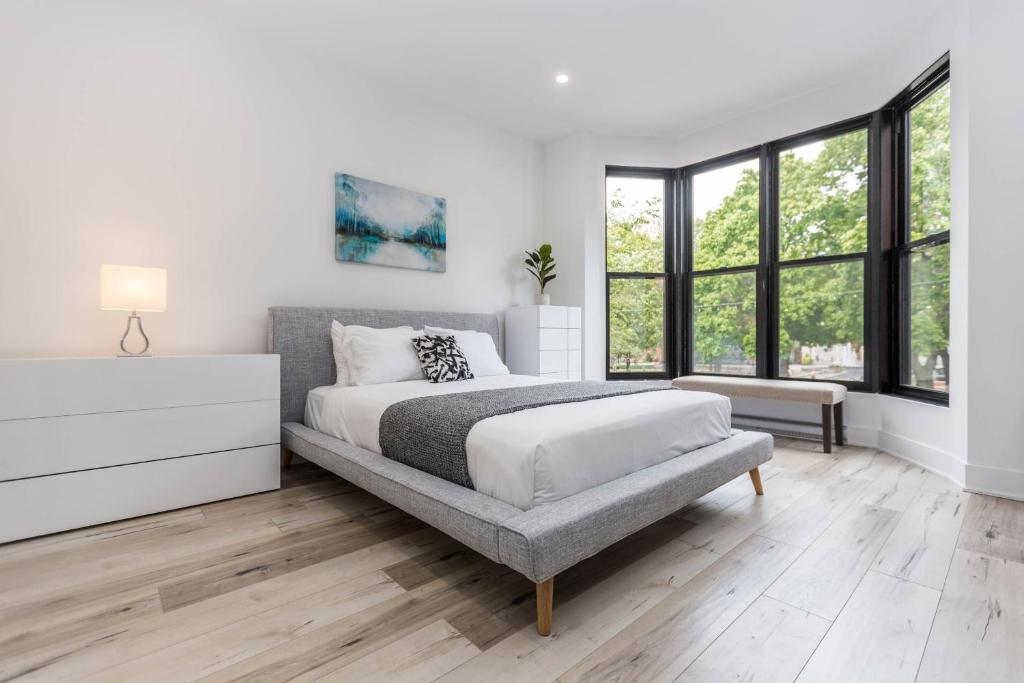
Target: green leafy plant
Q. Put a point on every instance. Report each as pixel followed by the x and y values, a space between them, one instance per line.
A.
pixel 541 265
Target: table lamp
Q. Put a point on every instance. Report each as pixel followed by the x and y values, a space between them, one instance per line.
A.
pixel 131 288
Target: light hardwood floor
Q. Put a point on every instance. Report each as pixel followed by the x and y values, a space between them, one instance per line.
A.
pixel 854 566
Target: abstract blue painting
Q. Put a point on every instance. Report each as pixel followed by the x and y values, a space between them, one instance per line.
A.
pixel 387 226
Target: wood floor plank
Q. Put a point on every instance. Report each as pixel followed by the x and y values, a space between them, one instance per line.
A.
pixel 423 655
pixel 718 500
pixel 863 463
pixel 69 661
pixel 335 645
pixel 287 553
pixel 101 539
pixel 511 607
pixel 979 627
pixel 808 517
pixel 880 635
pixel 36 643
pixel 721 530
pixel 584 623
pixel 798 464
pixel 769 642
pixel 435 563
pixel 51 596
pixel 30 583
pixel 665 640
pixel 825 576
pixel 259 507
pixel 343 505
pixel 214 650
pixel 921 546
pixel 895 487
pixel 994 527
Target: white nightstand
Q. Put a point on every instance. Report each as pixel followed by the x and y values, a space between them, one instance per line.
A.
pixel 545 341
pixel 90 440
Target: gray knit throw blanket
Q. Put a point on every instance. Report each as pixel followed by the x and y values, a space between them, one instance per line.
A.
pixel 429 433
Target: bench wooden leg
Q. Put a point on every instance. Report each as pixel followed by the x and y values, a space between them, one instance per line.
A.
pixel 840 439
pixel 826 428
pixel 545 603
pixel 286 457
pixel 755 479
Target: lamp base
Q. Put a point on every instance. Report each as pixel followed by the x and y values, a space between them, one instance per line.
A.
pixel 142 352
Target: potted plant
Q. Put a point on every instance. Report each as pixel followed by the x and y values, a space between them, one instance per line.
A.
pixel 541 266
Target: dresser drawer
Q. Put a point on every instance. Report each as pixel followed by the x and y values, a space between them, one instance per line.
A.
pixel 555 375
pixel 552 361
pixel 575 361
pixel 52 445
pixel 575 317
pixel 549 339
pixel 552 316
pixel 74 386
pixel 42 505
pixel 575 339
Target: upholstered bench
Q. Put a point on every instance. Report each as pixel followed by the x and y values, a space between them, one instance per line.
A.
pixel 830 396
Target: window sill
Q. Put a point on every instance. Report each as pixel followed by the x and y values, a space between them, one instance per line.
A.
pixel 937 398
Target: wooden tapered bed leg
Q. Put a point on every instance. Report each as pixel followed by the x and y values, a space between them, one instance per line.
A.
pixel 545 602
pixel 755 479
pixel 286 457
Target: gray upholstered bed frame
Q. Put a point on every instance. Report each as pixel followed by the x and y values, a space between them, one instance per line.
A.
pixel 539 542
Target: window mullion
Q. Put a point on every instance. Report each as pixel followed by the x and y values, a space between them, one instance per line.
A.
pixel 767 286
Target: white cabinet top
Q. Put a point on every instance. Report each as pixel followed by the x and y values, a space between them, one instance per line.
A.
pixel 73 386
pixel 546 316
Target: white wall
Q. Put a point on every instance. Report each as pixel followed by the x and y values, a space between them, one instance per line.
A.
pixel 995 414
pixel 143 134
pixel 574 192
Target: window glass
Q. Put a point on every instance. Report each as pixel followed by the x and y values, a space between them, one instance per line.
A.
pixel 929 165
pixel 726 210
pixel 823 197
pixel 821 321
pixel 725 324
pixel 635 225
pixel 636 319
pixel 927 362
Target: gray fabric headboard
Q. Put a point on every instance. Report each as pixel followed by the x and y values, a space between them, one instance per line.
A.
pixel 302 336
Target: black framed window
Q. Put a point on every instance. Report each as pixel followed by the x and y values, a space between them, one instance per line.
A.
pixel 922 241
pixel 638 213
pixel 822 221
pixel 821 256
pixel 723 225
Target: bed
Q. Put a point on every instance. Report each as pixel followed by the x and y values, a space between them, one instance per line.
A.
pixel 537 530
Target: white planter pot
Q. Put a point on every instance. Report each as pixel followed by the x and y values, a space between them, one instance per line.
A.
pixel 543 299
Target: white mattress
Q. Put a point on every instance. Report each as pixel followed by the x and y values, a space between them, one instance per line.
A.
pixel 540 455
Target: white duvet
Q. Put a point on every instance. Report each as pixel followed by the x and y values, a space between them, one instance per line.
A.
pixel 542 454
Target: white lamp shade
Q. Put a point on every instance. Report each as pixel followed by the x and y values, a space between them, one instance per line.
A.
pixel 131 288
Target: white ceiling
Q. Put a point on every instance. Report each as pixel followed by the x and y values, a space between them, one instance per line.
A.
pixel 638 67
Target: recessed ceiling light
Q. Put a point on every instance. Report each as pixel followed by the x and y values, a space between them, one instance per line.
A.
pixel 562 79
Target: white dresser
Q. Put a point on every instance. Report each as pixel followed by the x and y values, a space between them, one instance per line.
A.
pixel 91 440
pixel 545 341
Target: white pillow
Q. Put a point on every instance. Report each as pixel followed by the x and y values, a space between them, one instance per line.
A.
pixel 378 356
pixel 337 342
pixel 477 347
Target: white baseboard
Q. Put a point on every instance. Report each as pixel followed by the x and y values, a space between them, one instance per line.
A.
pixel 993 481
pixel 934 459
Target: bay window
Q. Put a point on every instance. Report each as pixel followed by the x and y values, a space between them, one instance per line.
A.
pixel 821 256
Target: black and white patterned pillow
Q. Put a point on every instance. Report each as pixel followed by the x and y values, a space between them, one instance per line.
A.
pixel 441 358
